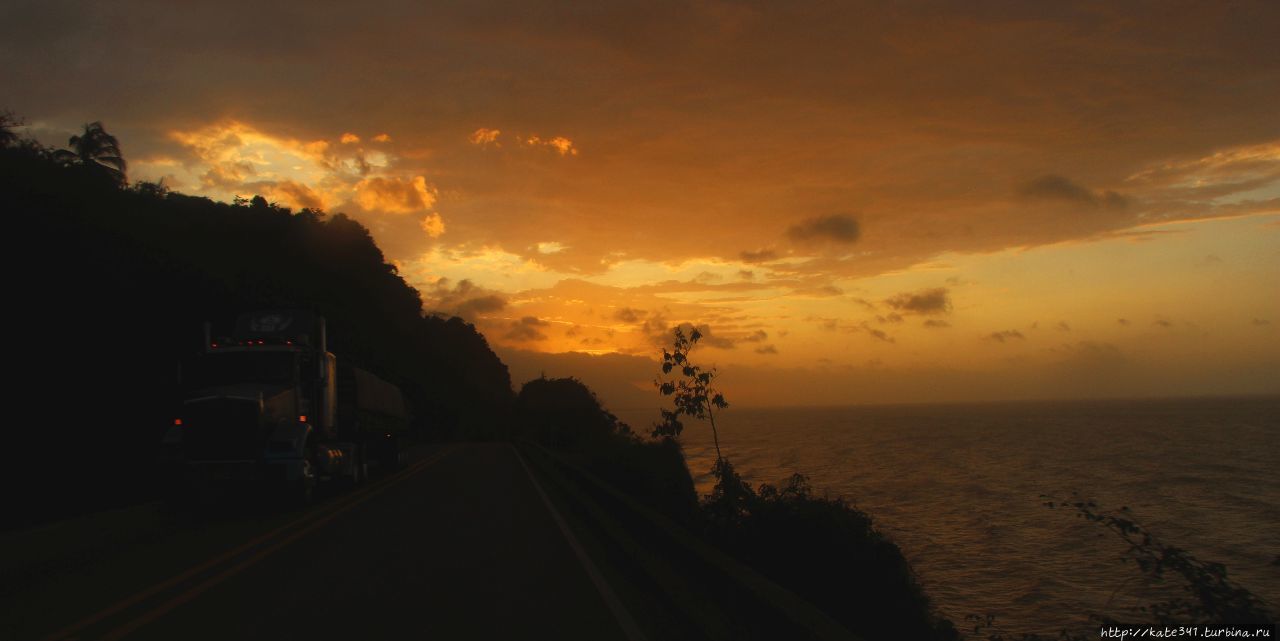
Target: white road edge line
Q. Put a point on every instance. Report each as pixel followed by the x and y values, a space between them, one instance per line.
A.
pixel 620 613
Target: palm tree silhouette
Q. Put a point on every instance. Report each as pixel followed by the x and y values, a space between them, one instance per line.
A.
pixel 95 149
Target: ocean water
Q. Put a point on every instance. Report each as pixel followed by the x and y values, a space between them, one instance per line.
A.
pixel 959 488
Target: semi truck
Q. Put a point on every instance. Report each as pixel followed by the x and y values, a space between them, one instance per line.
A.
pixel 269 407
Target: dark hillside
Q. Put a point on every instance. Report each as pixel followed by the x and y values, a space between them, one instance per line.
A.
pixel 108 288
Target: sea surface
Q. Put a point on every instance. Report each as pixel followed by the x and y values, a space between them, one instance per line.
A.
pixel 961 489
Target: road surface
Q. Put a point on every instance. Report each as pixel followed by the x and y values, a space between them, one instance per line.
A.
pixel 461 544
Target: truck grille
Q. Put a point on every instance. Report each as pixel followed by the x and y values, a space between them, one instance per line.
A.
pixel 222 428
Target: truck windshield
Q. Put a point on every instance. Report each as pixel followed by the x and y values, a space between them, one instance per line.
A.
pixel 237 368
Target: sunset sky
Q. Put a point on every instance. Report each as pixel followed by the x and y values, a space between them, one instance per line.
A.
pixel 885 202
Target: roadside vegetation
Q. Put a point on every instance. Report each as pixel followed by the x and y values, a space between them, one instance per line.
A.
pixel 819 547
pixel 111 281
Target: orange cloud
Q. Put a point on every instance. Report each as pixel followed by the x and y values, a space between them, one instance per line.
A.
pixel 432 224
pixel 232 158
pixel 484 136
pixel 395 195
pixel 295 194
pixel 562 145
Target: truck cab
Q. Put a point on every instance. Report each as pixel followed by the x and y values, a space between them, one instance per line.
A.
pixel 259 407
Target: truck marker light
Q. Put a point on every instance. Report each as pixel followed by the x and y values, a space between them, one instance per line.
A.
pixel 302 418
pixel 177 422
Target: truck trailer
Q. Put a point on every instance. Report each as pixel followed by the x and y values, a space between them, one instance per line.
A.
pixel 270 407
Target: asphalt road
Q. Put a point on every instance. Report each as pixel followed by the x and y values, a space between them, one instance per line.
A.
pixel 461 544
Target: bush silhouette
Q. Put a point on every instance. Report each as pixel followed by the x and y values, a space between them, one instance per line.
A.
pixel 564 413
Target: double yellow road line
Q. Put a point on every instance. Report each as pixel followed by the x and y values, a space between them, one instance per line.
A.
pixel 161 598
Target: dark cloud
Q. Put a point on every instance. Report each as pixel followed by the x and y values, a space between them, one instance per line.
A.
pixel 829 324
pixel 880 335
pixel 1160 322
pixel 526 330
pixel 759 256
pixel 1113 200
pixel 629 315
pixel 661 334
pixel 1261 322
pixel 934 323
pixel 713 340
pixel 465 299
pixel 1053 187
pixel 839 228
pixel 1006 335
pixel 767 349
pixel 758 336
pixel 481 305
pixel 926 301
pixel 891 318
pixel 656 328
pixel 820 291
pixel 1062 326
pixel 877 334
pixel 1123 322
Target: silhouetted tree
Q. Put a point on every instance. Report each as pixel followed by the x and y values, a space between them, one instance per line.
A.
pixel 693 391
pixel 156 189
pixel 95 149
